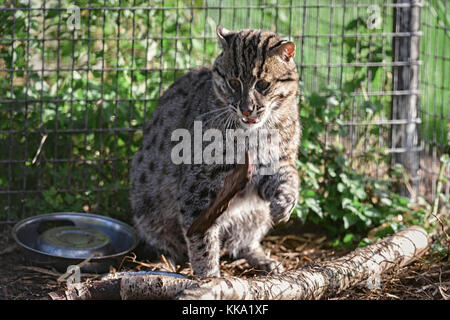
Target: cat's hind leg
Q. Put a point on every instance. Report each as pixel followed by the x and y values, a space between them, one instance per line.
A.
pixel 244 234
pixel 256 257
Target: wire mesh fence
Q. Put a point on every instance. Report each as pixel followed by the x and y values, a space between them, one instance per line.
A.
pixel 79 79
pixel 435 98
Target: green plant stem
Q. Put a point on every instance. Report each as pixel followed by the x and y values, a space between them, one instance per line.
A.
pixel 434 211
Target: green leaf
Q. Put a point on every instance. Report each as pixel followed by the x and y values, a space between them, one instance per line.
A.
pixel 353 24
pixel 348 238
pixel 364 242
pixel 349 220
pixel 313 168
pixel 346 203
pixel 331 172
pixel 402 201
pixel 314 205
pixel 360 193
pixel 386 201
pixel 308 193
pixel 372 213
pixel 302 213
pixel 344 178
pixel 315 100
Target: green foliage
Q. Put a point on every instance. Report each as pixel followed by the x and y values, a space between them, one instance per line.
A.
pixel 333 194
pixel 337 191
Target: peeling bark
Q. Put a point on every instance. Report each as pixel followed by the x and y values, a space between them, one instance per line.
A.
pixel 319 280
pixel 315 281
pixel 140 287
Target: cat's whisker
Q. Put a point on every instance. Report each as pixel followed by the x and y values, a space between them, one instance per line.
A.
pixel 228 122
pixel 230 117
pixel 233 108
pixel 216 110
pixel 220 116
pixel 224 121
pixel 212 111
pixel 234 122
pixel 212 120
pixel 231 121
pixel 216 116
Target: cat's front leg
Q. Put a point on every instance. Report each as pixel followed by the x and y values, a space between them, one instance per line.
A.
pixel 281 189
pixel 196 194
pixel 204 253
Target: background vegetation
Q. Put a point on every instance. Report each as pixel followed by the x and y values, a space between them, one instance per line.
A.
pixel 72 105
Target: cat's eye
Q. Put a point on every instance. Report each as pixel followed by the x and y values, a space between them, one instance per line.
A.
pixel 235 84
pixel 262 85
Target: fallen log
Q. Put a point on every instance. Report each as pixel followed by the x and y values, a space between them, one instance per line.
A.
pixel 319 280
pixel 312 282
pixel 133 286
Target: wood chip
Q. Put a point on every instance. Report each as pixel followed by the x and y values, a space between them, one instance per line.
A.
pixel 41 270
pixel 8 249
pixel 392 296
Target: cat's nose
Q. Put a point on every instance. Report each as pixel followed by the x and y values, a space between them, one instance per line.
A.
pixel 246 109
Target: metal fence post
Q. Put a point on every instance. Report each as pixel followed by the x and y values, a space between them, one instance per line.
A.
pixel 405 84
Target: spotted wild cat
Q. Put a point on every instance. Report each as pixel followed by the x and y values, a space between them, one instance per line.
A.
pixel 251 86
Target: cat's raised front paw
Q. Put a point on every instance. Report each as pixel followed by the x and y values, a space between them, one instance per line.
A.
pixel 282 205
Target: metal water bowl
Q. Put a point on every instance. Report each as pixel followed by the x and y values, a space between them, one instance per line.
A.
pixel 69 238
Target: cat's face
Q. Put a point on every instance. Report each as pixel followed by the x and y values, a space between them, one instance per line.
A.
pixel 254 75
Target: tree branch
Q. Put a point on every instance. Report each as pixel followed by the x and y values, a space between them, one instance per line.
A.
pixel 315 281
pixel 319 280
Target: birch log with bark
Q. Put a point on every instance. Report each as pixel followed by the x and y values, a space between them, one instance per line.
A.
pixel 319 280
pixel 129 287
pixel 316 281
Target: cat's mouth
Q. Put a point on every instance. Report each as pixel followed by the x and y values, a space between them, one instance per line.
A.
pixel 251 123
pixel 249 120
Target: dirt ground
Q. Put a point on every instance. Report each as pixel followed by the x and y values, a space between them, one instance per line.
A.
pixel 294 245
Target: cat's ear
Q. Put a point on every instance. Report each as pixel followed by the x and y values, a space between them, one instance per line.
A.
pixel 286 50
pixel 224 36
